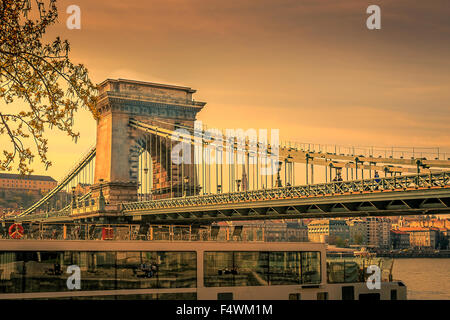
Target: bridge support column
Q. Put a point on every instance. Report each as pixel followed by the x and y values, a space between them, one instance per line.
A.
pixel 119 144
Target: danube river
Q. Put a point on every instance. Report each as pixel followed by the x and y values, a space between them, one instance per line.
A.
pixel 426 279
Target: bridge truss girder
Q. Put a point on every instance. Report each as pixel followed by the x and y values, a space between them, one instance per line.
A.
pixel 411 202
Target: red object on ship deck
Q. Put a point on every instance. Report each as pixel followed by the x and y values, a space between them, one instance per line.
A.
pixel 107 233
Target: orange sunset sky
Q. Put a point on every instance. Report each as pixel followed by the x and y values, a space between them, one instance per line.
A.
pixel 310 68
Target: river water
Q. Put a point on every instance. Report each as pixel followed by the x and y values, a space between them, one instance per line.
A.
pixel 425 279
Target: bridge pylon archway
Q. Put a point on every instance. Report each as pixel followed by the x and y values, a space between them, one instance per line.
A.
pixel 118 144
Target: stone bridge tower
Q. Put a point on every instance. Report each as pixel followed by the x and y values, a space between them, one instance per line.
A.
pixel 116 168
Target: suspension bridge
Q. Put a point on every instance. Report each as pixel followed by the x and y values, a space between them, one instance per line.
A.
pixel 154 163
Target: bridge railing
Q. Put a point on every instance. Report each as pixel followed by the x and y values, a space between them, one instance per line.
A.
pixel 82 204
pixel 64 182
pixel 396 183
pixel 431 153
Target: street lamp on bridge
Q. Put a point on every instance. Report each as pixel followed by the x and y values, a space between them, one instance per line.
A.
pixel 186 181
pixel 307 157
pixel 74 198
pixel 279 184
pixel 356 166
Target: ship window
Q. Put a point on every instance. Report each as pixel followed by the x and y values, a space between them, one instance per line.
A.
pixel 156 269
pixel 33 272
pixel 322 295
pixel 217 268
pixel 223 269
pixel 348 293
pixel 294 296
pixel 46 271
pixel 98 270
pixel 285 268
pixel 394 294
pixel 310 267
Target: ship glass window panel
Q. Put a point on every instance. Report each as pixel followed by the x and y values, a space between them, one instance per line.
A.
pixel 32 272
pixel 46 271
pixel 250 268
pixel 136 270
pixel 351 272
pixel 394 294
pixel 285 268
pixel 294 296
pixel 11 272
pixel 217 269
pixel 322 295
pixel 98 269
pixel 336 273
pixel 311 267
pixel 176 269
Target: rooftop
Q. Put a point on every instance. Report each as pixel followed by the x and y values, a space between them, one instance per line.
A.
pixel 399 232
pixel 25 177
pixel 413 229
pixel 148 84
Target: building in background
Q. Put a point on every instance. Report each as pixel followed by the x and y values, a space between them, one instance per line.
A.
pixel 358 231
pixel 420 237
pixel 399 239
pixel 296 231
pixel 378 231
pixel 275 230
pixel 428 221
pixel 18 192
pixel 10 181
pixel 329 230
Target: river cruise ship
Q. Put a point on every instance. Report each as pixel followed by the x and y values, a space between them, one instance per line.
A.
pixel 44 268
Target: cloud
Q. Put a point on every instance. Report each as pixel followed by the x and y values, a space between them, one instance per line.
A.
pixel 309 67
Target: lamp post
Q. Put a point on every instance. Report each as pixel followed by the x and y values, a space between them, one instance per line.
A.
pixel 418 163
pixel 141 185
pixel 386 171
pixel 307 162
pixel 238 183
pixel 186 181
pixel 101 197
pixel 356 165
pixel 278 174
pixel 331 171
pixel 101 189
pixel 285 171
pixel 74 200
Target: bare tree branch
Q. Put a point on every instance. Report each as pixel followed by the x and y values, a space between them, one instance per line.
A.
pixel 42 77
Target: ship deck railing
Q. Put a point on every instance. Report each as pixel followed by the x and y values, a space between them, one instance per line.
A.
pixel 133 232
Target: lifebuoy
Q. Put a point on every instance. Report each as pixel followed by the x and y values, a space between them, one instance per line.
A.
pixel 16 231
